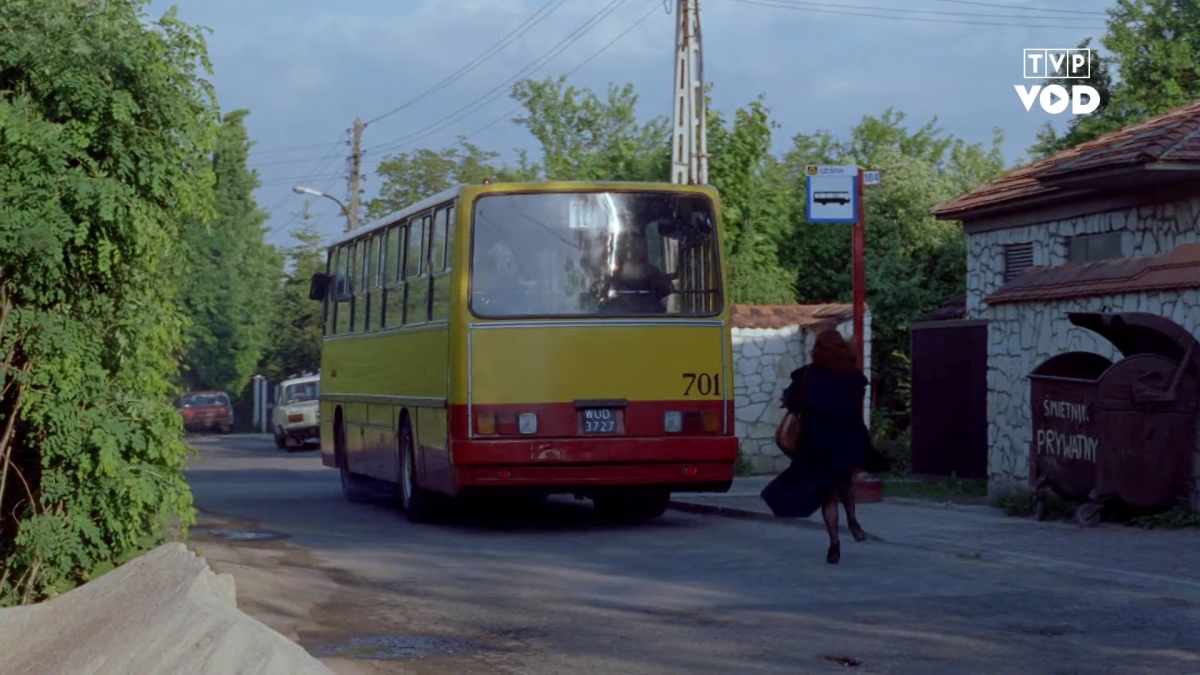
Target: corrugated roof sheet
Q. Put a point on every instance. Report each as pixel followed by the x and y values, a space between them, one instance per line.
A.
pixel 784 316
pixel 1170 138
pixel 1174 271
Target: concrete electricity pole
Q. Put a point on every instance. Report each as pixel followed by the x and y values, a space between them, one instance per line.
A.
pixel 689 140
pixel 355 172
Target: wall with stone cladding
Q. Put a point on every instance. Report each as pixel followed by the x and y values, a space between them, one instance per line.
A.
pixel 1147 230
pixel 764 359
pixel 1022 336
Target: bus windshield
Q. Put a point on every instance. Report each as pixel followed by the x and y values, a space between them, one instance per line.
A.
pixel 595 254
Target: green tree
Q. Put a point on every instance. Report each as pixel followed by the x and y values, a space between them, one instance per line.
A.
pixel 105 126
pixel 234 274
pixel 1154 47
pixel 914 262
pixel 755 203
pixel 586 137
pixel 409 177
pixel 296 324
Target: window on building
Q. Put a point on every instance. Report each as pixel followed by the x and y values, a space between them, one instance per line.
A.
pixel 1092 247
pixel 1017 259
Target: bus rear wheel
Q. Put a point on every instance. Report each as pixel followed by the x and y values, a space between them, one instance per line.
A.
pixel 419 506
pixel 632 505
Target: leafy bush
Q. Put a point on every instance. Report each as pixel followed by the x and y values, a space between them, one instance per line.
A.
pixel 105 128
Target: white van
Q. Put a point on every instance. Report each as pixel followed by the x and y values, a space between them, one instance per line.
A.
pixel 296 416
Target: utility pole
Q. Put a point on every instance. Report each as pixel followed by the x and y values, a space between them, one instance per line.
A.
pixel 689 139
pixel 355 172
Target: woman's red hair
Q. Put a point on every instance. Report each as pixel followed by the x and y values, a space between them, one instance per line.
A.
pixel 834 353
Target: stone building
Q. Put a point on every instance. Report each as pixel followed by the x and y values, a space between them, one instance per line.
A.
pixel 769 342
pixel 1101 227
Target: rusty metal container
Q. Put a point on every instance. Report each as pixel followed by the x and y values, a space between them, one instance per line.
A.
pixel 1124 432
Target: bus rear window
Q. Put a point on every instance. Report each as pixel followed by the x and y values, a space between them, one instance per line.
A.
pixel 594 254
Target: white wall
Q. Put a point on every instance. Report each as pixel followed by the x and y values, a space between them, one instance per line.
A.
pixel 764 359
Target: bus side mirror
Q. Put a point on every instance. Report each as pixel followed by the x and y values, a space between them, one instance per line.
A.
pixel 319 286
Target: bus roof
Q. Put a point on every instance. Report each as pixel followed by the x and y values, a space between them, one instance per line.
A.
pixel 549 186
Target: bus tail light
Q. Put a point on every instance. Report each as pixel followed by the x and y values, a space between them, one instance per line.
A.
pixel 485 423
pixel 712 422
pixel 527 423
pixel 673 422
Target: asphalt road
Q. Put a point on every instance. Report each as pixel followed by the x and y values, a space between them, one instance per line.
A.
pixel 549 588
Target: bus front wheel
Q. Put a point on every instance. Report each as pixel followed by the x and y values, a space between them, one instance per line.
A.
pixel 418 505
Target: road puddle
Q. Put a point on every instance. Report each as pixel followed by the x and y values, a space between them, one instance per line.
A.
pixel 394 647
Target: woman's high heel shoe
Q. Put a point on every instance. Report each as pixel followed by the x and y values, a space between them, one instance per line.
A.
pixel 857 531
pixel 834 556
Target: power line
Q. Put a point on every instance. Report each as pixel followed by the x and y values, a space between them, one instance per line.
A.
pixel 569 73
pixel 536 18
pixel 292 148
pixel 814 7
pixel 478 103
pixel 934 12
pixel 1024 9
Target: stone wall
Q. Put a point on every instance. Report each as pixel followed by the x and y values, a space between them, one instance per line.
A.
pixel 1147 230
pixel 1022 336
pixel 764 358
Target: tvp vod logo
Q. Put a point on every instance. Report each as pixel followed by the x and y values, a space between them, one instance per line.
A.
pixel 1061 64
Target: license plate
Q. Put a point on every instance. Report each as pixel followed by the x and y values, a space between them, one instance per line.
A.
pixel 599 421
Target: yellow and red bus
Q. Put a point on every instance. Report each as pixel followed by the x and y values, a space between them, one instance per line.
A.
pixel 531 339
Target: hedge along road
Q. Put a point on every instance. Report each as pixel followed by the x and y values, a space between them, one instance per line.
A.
pixel 549 588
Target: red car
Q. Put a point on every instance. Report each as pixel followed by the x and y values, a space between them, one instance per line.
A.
pixel 206 410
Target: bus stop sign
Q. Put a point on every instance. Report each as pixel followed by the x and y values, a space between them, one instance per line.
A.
pixel 832 194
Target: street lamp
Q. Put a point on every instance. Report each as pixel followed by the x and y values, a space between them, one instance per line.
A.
pixel 301 190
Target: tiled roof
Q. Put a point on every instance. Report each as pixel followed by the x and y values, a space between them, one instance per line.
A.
pixel 783 316
pixel 1170 138
pixel 1177 270
pixel 954 309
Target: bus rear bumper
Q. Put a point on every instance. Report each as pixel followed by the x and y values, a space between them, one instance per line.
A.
pixel 680 464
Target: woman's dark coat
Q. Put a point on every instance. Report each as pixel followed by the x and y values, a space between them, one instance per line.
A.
pixel 834 441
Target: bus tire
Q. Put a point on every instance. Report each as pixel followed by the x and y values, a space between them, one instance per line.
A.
pixel 417 504
pixel 632 506
pixel 354 487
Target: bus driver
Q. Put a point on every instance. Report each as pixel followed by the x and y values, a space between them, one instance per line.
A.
pixel 641 287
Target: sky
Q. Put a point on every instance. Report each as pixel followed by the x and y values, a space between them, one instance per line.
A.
pixel 306 68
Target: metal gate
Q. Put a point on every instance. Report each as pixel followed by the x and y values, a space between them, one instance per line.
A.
pixel 949 398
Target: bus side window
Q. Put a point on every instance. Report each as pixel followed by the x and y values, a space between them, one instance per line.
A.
pixel 439 278
pixel 330 301
pixel 450 225
pixel 344 307
pixel 417 301
pixel 357 302
pixel 374 286
pixel 393 287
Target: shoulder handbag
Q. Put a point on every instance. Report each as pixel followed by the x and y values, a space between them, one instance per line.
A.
pixel 787 434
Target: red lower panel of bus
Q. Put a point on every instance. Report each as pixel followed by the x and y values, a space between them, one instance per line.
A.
pixel 566 420
pixel 632 446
